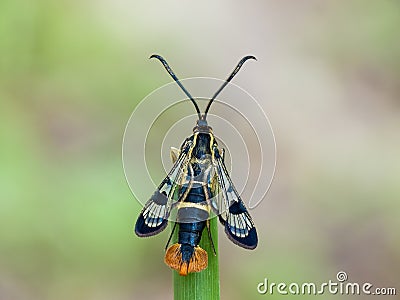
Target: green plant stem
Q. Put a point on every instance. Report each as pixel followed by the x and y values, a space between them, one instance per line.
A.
pixel 205 284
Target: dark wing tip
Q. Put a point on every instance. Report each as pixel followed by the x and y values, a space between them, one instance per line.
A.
pixel 248 242
pixel 142 230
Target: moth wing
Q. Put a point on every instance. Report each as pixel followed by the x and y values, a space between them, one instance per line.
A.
pixel 239 226
pixel 154 215
pixel 174 153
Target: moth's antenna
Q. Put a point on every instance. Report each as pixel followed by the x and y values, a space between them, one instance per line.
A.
pixel 239 65
pixel 169 70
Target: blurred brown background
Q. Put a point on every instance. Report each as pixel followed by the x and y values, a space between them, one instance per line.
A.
pixel 71 72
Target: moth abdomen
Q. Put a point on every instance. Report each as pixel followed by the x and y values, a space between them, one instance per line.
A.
pixel 186 256
pixel 192 214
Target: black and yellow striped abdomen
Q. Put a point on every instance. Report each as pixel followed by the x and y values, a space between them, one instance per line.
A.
pixel 186 256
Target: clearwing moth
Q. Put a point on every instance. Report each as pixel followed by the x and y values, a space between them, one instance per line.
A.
pixel 191 187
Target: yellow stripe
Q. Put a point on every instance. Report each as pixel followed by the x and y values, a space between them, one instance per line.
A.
pixel 211 147
pixel 205 207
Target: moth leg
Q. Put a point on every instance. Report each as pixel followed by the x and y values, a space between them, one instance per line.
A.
pixel 209 204
pixel 170 237
pixel 210 237
pixel 221 220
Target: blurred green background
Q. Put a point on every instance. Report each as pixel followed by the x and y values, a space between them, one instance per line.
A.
pixel 71 72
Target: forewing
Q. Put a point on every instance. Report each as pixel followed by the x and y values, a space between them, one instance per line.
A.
pixel 239 226
pixel 154 216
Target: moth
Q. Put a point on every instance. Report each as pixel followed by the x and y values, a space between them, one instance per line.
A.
pixel 193 188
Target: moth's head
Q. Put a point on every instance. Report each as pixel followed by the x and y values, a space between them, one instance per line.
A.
pixel 202 126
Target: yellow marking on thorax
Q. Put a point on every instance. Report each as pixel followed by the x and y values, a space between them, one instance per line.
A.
pixel 194 144
pixel 204 207
pixel 212 149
